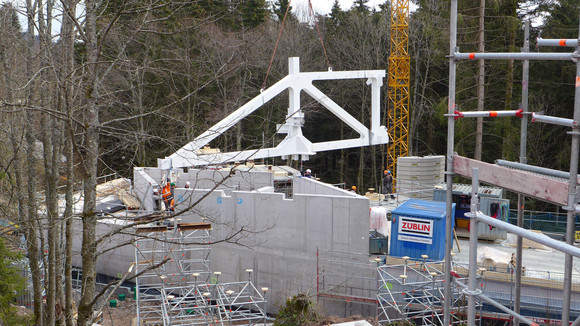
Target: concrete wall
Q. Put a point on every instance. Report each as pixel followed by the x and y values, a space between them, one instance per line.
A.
pixel 145 178
pixel 311 186
pixel 113 261
pixel 281 236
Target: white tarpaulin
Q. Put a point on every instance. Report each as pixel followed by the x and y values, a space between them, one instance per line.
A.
pixel 378 221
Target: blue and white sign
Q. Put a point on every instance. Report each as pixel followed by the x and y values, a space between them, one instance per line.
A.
pixel 415 229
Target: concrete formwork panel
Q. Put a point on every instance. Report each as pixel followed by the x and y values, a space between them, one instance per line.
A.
pixel 285 234
pixel 311 186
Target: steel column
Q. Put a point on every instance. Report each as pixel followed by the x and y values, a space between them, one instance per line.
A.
pixel 523 160
pixel 449 173
pixel 568 263
pixel 473 229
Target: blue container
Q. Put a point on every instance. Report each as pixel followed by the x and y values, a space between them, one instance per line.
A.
pixel 418 228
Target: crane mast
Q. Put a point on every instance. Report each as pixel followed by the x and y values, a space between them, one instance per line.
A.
pixel 398 82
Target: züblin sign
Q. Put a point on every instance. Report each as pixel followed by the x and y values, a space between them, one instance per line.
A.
pixel 415 230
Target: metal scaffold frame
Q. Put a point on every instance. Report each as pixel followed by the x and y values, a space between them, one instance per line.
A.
pixel 175 286
pixel 413 291
pixel 572 196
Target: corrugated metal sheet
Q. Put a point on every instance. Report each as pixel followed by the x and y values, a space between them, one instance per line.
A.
pixel 464 189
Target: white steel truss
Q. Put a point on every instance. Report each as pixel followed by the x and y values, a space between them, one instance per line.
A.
pixel 295 145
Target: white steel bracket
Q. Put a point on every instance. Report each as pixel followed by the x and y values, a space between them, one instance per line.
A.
pixel 295 144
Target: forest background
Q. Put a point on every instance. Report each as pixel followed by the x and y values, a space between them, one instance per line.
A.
pixel 132 81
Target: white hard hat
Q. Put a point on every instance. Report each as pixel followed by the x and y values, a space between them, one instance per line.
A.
pixel 155 190
pixel 187 183
pixel 308 171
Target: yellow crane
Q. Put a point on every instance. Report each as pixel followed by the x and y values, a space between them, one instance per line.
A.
pixel 399 80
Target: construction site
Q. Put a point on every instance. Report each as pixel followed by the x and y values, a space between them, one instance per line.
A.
pixel 226 238
pixel 241 237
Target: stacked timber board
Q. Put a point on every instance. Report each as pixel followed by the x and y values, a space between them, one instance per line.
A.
pixel 416 176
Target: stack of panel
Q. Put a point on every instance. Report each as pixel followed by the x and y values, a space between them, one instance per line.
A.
pixel 417 176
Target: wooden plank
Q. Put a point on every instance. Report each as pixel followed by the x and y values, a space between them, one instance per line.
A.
pixel 130 202
pixel 529 184
pixel 146 229
pixel 194 226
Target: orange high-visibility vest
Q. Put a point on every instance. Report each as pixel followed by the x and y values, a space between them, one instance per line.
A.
pixel 166 193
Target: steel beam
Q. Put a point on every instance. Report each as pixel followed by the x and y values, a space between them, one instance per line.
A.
pixel 528 234
pixel 537 186
pixel 569 43
pixel 488 114
pixel 537 117
pixel 517 56
pixel 536 169
pixel 295 142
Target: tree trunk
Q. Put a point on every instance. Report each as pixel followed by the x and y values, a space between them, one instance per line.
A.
pixel 91 120
pixel 31 228
pixel 67 42
pixel 50 148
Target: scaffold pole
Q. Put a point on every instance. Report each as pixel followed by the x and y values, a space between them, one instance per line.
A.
pixel 517 56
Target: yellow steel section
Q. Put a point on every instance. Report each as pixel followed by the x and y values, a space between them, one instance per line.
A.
pixel 399 77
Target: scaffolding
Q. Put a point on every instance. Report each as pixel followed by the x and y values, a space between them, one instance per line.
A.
pixel 413 291
pixel 175 286
pixel 348 279
pixel 570 203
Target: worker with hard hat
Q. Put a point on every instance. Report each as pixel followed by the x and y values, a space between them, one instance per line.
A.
pixel 353 189
pixel 156 200
pixel 308 173
pixel 167 194
pixel 388 184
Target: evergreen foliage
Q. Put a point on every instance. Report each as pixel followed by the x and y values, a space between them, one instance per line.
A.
pixel 299 310
pixel 280 7
pixel 11 285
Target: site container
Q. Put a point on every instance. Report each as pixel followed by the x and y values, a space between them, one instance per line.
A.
pixel 418 228
pixel 491 203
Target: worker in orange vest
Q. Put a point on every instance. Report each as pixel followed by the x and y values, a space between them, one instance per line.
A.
pixel 167 194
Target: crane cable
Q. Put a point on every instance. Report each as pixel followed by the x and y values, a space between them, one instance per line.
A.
pixel 276 46
pixel 319 34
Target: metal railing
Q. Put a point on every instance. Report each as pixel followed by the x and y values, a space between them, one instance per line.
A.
pixel 544 221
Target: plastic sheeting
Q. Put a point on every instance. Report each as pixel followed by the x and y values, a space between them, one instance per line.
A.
pixel 378 221
pixel 491 257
